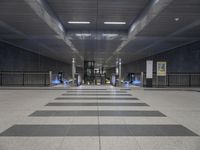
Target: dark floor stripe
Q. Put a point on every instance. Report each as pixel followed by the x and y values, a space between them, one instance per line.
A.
pixel 125 89
pixel 97 130
pixel 96 104
pixel 87 89
pixel 99 92
pixel 52 113
pixel 95 98
pixel 93 90
pixel 96 94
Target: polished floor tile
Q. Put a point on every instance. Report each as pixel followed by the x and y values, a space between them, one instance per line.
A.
pixel 80 143
pixel 30 143
pixel 169 143
pixel 170 121
pixel 119 143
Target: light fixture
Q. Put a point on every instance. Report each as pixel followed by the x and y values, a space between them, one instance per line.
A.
pixel 177 19
pixel 83 34
pixel 110 34
pixel 115 23
pixel 78 22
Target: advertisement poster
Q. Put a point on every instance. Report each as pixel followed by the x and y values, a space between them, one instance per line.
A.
pixel 161 68
pixel 149 69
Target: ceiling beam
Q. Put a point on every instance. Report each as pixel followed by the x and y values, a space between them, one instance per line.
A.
pixel 94 36
pixel 150 12
pixel 158 38
pixel 177 32
pixel 97 35
pixel 41 8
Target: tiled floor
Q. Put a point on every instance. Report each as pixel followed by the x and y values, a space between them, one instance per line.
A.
pixel 99 118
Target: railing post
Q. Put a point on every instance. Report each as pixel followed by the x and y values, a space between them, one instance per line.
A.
pixel 189 80
pixel 23 79
pixel 44 79
pixel 157 78
pixel 1 78
pixel 168 82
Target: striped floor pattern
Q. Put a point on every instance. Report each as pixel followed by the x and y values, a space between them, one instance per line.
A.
pixel 100 104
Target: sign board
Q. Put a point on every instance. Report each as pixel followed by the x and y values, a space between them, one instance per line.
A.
pixel 149 69
pixel 161 68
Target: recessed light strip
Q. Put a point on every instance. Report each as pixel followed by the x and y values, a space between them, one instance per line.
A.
pixel 114 22
pixel 78 22
pixel 110 34
pixel 83 34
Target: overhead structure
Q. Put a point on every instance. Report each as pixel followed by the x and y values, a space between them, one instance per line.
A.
pixel 97 30
pixel 151 11
pixel 42 9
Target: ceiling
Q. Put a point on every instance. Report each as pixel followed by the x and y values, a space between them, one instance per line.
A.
pixel 41 26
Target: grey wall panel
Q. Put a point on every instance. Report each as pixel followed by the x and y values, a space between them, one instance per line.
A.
pixel 182 59
pixel 16 59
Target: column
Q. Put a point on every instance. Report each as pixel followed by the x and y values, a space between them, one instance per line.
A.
pixel 73 70
pixel 116 71
pixel 50 78
pixel 120 71
pixel 149 73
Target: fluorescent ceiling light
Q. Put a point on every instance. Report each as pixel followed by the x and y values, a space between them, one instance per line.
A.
pixel 110 35
pixel 83 34
pixel 114 22
pixel 78 22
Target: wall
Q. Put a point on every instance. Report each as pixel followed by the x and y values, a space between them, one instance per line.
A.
pixel 16 59
pixel 182 59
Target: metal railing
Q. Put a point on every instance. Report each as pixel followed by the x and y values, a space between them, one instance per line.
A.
pixel 19 78
pixel 172 80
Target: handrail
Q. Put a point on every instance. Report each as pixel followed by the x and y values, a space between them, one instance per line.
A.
pixel 20 78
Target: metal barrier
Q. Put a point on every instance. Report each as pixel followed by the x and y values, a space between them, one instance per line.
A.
pixel 173 80
pixel 18 78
